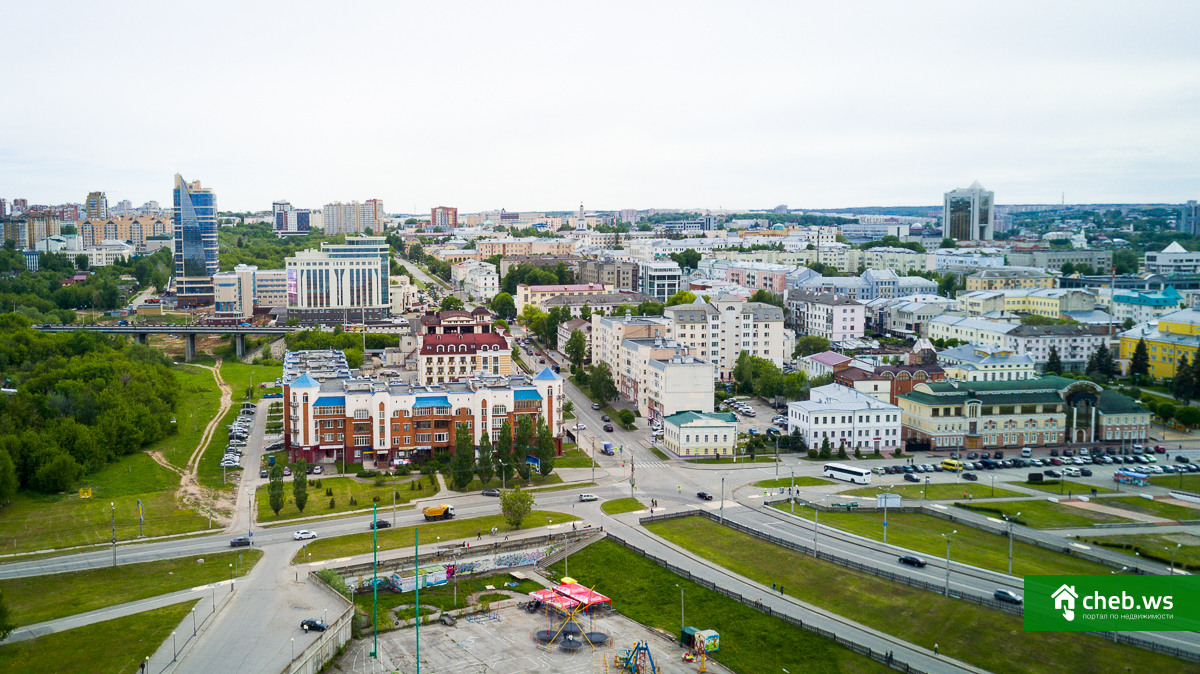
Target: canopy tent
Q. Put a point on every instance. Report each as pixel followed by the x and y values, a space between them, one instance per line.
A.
pixel 552 598
pixel 582 594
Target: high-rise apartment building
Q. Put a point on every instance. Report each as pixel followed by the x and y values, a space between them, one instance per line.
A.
pixel 20 206
pixel 196 255
pixel 968 214
pixel 96 206
pixel 1189 220
pixel 445 217
pixel 353 217
pixel 341 282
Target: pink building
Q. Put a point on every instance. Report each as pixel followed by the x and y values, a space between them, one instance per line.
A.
pixel 835 317
pixel 759 276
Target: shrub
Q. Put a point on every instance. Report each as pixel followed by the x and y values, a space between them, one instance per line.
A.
pixel 813 453
pixel 332 504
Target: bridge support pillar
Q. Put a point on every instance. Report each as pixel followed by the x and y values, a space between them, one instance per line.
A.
pixel 189 347
pixel 142 337
pixel 239 343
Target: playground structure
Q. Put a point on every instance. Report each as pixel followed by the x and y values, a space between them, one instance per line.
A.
pixel 564 604
pixel 637 660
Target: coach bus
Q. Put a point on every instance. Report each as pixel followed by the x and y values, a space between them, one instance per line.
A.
pixel 840 471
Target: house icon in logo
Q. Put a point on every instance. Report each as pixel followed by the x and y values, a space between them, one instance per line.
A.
pixel 1064 600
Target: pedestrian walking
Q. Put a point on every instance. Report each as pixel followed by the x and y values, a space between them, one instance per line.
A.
pixel 935 649
pixel 781 588
pixel 479 535
pixel 772 587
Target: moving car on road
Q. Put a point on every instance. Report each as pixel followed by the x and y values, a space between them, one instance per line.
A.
pixel 704 496
pixel 490 492
pixel 303 535
pixel 379 524
pixel 1008 596
pixel 313 625
pixel 913 560
pixel 608 428
pixel 240 541
pixel 587 497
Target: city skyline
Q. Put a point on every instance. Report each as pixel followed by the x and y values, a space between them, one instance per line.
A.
pixel 542 106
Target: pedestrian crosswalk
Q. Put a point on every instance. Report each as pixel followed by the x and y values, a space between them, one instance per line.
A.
pixel 648 463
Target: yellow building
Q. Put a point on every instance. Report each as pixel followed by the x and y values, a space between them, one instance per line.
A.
pixel 1177 334
pixel 1010 278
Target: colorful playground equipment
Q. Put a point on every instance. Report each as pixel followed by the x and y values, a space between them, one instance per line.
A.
pixel 636 660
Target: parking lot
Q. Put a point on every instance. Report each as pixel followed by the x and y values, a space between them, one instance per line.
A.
pixel 761 421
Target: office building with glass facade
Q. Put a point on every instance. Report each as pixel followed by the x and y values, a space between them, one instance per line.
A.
pixel 196 255
pixel 967 214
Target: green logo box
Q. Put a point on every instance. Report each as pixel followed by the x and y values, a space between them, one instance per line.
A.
pixel 1112 602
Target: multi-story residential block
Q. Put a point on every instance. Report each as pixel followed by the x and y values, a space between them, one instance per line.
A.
pixel 1139 306
pixel 196 255
pixel 660 279
pixel 865 381
pixel 1039 412
pixel 967 329
pixel 289 221
pixel 525 246
pixel 339 282
pixel 609 332
pixel 96 206
pixel 454 356
pixel 971 362
pixel 906 315
pixel 353 217
pixel 609 303
pixel 967 214
pixel 478 279
pixel 692 434
pixel 337 417
pixel 238 292
pixel 1189 218
pixel 1049 302
pixel 509 262
pixel 848 418
pixel 834 317
pixel 456 255
pixel 402 294
pixel 1009 278
pixel 1172 260
pixel 29 228
pixel 620 274
pixel 899 260
pixel 721 329
pixel 661 377
pixel 539 295
pixel 1171 338
pixel 1075 343
pixel 445 217
pixel 134 229
pixel 850 287
pixel 759 275
pixel 566 328
pixel 967 258
pixel 1099 259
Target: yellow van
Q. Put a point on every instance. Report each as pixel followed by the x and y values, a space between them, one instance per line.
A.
pixel 952 464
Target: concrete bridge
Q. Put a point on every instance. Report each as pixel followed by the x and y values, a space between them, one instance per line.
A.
pixel 189 333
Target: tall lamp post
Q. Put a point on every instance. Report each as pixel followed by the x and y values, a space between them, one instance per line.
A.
pixel 1010 525
pixel 791 492
pixel 948 538
pixel 887 491
pixel 682 621
pixel 1173 551
pixel 114 531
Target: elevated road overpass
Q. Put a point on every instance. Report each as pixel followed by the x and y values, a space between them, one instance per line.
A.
pixel 189 332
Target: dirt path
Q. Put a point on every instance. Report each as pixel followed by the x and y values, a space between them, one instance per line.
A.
pixel 191 493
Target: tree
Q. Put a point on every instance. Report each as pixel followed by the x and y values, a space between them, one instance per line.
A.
pixel 451 302
pixel 767 297
pixel 57 474
pixel 1188 416
pixel 504 451
pixel 545 448
pixel 1128 324
pixel 81 262
pixel 1054 362
pixel 947 242
pixel 523 444
pixel 299 485
pixel 681 297
pixel 1183 385
pixel 826 450
pixel 484 466
pixel 275 488
pixel 688 259
pixel 601 383
pixel 586 312
pixel 516 506
pixel 1139 365
pixel 576 348
pixel 626 417
pixel 810 344
pixel 8 477
pixel 1165 412
pixel 462 465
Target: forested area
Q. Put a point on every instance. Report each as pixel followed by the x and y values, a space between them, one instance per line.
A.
pixel 82 400
pixel 258 245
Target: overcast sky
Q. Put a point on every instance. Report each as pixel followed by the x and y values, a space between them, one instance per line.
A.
pixel 539 106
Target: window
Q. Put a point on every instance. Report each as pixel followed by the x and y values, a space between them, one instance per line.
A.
pixel 362 440
pixel 361 413
pixel 441 437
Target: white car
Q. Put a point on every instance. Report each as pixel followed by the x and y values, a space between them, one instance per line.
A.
pixel 303 535
pixel 579 427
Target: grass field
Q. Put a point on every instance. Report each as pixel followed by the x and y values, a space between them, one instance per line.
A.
pixel 445 597
pixel 400 537
pixel 343 488
pixel 1067 486
pixel 574 458
pixel 662 456
pixel 43 521
pixel 751 641
pixel 1189 482
pixel 112 647
pixel 970 546
pixel 971 633
pixel 1138 504
pixel 1046 515
pixel 621 505
pixel 199 399
pixel 785 482
pixel 937 491
pixel 36 599
pixel 535 480
pixel 208 470
pixel 1156 546
pixel 241 375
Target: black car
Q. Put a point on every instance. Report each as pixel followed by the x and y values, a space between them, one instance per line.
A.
pixel 608 428
pixel 913 560
pixel 911 477
pixel 491 492
pixel 313 625
pixel 1085 472
pixel 970 477
pixel 240 541
pixel 1179 458
pixel 998 455
pixel 1008 596
pixel 973 455
pixel 263 474
pixel 379 524
pixel 704 496
pixel 604 417
pixel 1051 473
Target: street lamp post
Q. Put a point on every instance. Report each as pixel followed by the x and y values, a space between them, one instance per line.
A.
pixel 293 648
pixel 887 489
pixel 1173 551
pixel 993 485
pixel 1010 525
pixel 174 650
pixel 948 537
pixel 193 622
pixel 925 489
pixel 231 577
pixel 791 492
pixel 722 500
pixel 114 531
pixel 682 621
pixel 816 525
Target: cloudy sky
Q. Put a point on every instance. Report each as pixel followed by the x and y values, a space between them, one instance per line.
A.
pixel 542 105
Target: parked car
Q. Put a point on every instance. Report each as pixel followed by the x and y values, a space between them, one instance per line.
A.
pixel 313 625
pixel 704 496
pixel 970 477
pixel 263 474
pixel 287 470
pixel 1008 596
pixel 595 406
pixel 1052 473
pixel 317 470
pixel 303 535
pixel 913 560
pixel 240 541
pixel 911 477
pixel 1085 472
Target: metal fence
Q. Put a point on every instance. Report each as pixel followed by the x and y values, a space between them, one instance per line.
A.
pixel 878 656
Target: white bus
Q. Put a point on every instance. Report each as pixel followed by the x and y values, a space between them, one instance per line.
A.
pixel 840 471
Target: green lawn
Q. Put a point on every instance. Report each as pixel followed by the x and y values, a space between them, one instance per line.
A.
pixel 562 487
pixel 974 634
pixel 445 597
pixel 786 482
pixel 364 492
pixel 112 647
pixel 535 480
pixel 751 641
pixel 1068 486
pixel 1045 515
pixel 745 458
pixel 1189 482
pixel 199 399
pixel 1138 504
pixel 621 505
pixel 208 470
pixel 574 458
pixel 36 599
pixel 34 521
pixel 1154 546
pixel 662 456
pixel 976 547
pixel 241 375
pixel 937 491
pixel 400 537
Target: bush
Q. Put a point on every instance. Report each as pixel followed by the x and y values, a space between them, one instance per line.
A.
pixel 812 454
pixel 332 504
pixel 376 499
pixel 842 453
pixel 857 453
pixel 379 480
pixel 353 501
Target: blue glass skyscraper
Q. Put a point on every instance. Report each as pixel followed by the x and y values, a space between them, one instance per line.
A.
pixel 196 255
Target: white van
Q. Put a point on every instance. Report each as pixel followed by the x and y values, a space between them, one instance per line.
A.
pixel 1026 452
pixel 587 497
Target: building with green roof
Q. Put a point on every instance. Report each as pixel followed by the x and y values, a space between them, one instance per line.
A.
pixel 699 434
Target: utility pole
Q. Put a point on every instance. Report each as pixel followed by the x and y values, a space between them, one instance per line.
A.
pixel 792 492
pixel 948 537
pixel 114 531
pixel 722 500
pixel 1010 525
